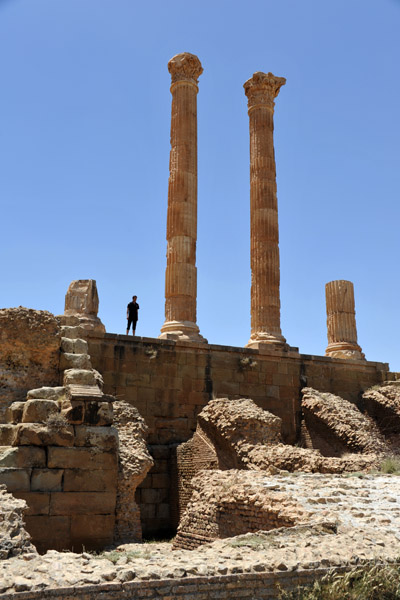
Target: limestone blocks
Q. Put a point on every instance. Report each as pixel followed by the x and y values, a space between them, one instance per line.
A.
pixel 181 272
pixel 82 303
pixel 341 321
pixel 261 91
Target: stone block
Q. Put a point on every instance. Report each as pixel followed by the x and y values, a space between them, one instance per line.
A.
pixel 147 511
pixel 82 503
pixel 24 456
pixel 38 502
pixel 146 394
pixel 89 528
pixel 80 458
pixel 47 393
pixel 6 434
pixel 16 480
pixel 34 434
pixel 14 412
pixel 152 496
pixel 72 332
pixel 47 480
pixel 38 410
pixel 49 531
pixel 163 511
pixel 77 346
pixel 105 438
pixel 82 377
pixel 80 480
pixel 69 360
pixel 160 480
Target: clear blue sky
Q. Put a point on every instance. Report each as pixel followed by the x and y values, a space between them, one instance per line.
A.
pixel 84 150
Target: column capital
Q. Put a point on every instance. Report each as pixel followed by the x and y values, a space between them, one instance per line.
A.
pixel 185 67
pixel 262 89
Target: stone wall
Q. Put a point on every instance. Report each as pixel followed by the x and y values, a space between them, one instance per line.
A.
pixel 263 586
pixel 171 382
pixel 29 353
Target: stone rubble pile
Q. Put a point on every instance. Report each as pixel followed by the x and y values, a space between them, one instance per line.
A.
pixel 14 540
pixel 352 519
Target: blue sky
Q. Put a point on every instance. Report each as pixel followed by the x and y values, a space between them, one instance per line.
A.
pixel 84 150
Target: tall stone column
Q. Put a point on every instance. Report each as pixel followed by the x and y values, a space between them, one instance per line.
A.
pixel 181 273
pixel 261 90
pixel 341 321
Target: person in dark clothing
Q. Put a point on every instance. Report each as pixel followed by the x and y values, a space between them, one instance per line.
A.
pixel 132 315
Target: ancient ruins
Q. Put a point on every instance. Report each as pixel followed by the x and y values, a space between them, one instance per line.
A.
pixel 263 464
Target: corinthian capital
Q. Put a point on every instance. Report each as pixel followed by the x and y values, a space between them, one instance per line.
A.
pixel 262 89
pixel 185 67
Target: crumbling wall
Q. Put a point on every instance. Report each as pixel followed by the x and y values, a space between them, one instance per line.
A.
pixel 221 506
pixel 29 353
pixel 14 539
pixel 134 462
pixel 336 426
pixel 382 403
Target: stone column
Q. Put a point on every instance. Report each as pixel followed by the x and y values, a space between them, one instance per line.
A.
pixel 341 321
pixel 181 273
pixel 261 90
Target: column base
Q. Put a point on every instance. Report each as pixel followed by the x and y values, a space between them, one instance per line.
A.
pixel 184 331
pixel 265 338
pixel 345 350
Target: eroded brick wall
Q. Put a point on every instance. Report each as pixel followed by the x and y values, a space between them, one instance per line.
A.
pixel 170 382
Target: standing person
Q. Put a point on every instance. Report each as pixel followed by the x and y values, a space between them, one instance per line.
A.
pixel 132 315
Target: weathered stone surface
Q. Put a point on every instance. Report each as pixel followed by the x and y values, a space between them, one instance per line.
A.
pixel 181 273
pixel 82 503
pixel 14 540
pixel 36 434
pixel 82 301
pixel 29 353
pixel 14 412
pixel 38 411
pixel 38 502
pixel 74 346
pixel 86 529
pixel 56 393
pixel 261 90
pixel 105 438
pixel 80 458
pixel 74 361
pixel 337 426
pixel 47 480
pixel 84 480
pixel 382 403
pixel 134 464
pixel 6 434
pixel 354 521
pixel 15 479
pixel 83 377
pixel 341 321
pixel 24 456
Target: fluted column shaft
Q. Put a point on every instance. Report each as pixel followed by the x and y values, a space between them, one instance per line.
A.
pixel 341 321
pixel 261 90
pixel 181 273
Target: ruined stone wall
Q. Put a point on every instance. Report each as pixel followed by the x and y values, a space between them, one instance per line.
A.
pixel 29 353
pixel 170 383
pixel 263 586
